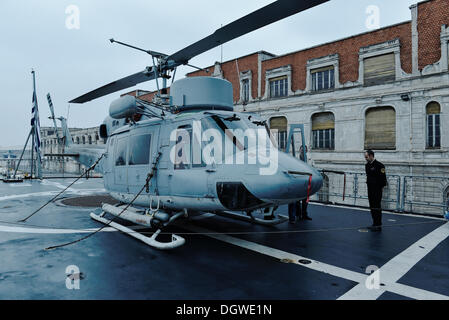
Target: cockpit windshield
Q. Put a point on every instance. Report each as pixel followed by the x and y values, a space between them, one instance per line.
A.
pixel 242 132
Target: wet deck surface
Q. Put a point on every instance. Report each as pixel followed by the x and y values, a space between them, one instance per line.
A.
pixel 243 263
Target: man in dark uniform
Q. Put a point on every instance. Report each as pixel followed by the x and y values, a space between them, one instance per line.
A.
pixel 298 209
pixel 301 206
pixel 376 180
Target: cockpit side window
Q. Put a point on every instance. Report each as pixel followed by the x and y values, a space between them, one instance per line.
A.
pixel 120 152
pixel 139 150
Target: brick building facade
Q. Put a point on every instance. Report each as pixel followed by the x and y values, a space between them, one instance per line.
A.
pixel 386 89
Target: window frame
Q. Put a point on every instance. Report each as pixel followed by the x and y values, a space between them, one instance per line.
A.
pixel 246 83
pixel 387 47
pixel 330 78
pixel 278 84
pixel 385 107
pixel 281 135
pixel 323 139
pixel 245 91
pixel 182 166
pixel 149 136
pixel 273 74
pixel 431 128
pixel 116 150
pixel 320 137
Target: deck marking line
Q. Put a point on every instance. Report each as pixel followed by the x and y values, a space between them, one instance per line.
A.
pixel 360 278
pixel 16 229
pixel 10 229
pixel 396 268
pixel 52 193
pixel 402 214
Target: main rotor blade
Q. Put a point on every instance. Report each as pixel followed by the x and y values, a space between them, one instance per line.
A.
pixel 271 13
pixel 118 85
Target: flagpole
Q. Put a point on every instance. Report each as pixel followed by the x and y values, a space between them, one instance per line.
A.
pixel 32 152
pixel 35 131
pixel 33 126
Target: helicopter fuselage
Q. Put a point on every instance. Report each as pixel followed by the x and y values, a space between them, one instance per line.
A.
pixel 201 154
pixel 237 176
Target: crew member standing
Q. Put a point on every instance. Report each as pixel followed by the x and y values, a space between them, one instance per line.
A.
pixel 301 205
pixel 376 180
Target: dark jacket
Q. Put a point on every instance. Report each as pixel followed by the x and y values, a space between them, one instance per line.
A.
pixel 375 174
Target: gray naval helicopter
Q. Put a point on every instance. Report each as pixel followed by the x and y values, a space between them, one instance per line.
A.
pixel 190 149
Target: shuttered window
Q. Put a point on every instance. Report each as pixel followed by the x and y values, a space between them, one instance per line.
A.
pixel 323 131
pixel 379 69
pixel 433 125
pixel 280 124
pixel 380 129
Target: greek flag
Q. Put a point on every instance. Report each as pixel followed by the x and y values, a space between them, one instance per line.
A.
pixel 35 124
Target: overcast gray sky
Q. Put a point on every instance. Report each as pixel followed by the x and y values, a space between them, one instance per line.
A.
pixel 70 62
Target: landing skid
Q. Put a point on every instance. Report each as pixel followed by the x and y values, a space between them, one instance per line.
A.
pixel 139 217
pixel 270 219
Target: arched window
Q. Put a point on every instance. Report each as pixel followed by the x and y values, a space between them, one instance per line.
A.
pixel 278 125
pixel 380 128
pixel 433 111
pixel 84 140
pixel 90 139
pixel 77 140
pixel 323 131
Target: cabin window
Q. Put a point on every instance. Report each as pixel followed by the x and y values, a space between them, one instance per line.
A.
pixel 139 150
pixel 433 125
pixel 120 152
pixel 380 128
pixel 183 147
pixel 323 131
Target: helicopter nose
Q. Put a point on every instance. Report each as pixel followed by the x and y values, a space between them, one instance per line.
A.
pixel 304 180
pixel 294 180
pixel 316 182
pixel 304 184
